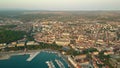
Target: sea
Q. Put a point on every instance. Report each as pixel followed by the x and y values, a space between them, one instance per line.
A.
pixel 19 61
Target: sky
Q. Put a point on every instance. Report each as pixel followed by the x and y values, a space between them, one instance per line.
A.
pixel 61 4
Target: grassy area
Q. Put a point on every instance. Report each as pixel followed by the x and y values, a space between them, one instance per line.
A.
pixel 7 36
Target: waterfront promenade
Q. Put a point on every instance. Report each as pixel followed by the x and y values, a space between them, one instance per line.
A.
pixel 7 55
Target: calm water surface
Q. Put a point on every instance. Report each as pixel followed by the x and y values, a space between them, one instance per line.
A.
pixel 19 61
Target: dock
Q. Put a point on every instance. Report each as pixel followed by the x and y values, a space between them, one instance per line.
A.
pixel 32 55
pixel 60 64
pixel 50 64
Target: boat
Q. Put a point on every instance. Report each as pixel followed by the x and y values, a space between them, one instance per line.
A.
pixel 50 64
pixel 60 64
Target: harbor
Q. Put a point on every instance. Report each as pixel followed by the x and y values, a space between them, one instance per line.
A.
pixel 34 59
pixel 60 64
pixel 50 64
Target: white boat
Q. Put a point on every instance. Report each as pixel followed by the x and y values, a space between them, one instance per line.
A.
pixel 50 64
pixel 60 64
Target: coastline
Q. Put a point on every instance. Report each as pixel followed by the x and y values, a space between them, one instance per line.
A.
pixel 7 55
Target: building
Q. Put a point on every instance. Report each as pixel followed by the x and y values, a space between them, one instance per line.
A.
pixel 32 43
pixel 21 44
pixel 62 42
pixel 72 61
pixel 115 61
pixel 2 45
pixel 81 56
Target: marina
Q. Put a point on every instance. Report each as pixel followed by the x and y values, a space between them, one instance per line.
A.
pixel 60 64
pixel 34 59
pixel 50 64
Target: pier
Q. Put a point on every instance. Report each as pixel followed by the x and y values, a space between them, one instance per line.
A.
pixel 60 64
pixel 50 64
pixel 32 55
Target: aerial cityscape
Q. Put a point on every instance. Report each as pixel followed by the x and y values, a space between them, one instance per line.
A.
pixel 59 36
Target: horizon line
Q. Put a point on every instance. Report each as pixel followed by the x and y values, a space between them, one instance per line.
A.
pixel 59 10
